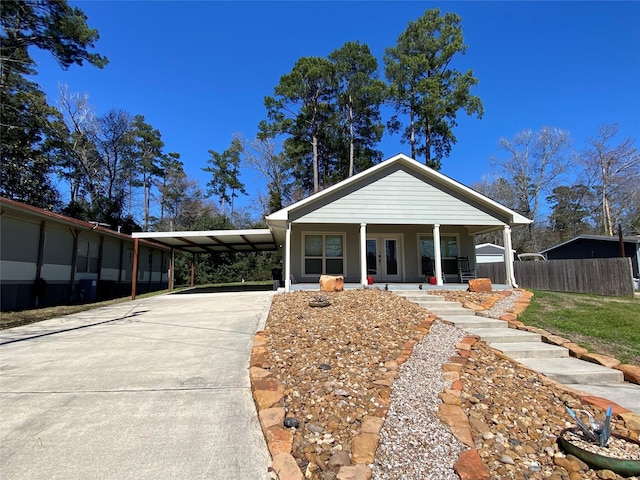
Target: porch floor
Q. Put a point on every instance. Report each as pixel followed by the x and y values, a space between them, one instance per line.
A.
pixel 397 286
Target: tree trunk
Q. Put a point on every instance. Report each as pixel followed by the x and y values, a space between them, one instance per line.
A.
pixel 351 140
pixel 316 177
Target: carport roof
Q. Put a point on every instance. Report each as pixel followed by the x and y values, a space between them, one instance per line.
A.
pixel 214 241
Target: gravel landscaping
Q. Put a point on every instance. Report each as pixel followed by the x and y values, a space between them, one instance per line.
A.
pixel 338 366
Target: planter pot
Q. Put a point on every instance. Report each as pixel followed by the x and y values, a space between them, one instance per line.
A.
pixel 626 468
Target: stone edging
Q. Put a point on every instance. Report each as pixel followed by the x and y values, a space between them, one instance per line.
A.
pixel 268 396
pixel 470 465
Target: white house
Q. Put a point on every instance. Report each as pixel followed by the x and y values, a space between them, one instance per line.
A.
pixel 381 224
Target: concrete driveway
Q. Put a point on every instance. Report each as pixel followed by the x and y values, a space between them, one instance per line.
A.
pixel 152 389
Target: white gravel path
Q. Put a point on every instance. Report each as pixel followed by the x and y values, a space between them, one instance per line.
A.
pixel 414 443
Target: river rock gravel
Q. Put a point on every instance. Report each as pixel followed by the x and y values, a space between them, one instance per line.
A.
pixel 328 359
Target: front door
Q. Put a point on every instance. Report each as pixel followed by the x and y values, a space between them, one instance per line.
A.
pixel 384 258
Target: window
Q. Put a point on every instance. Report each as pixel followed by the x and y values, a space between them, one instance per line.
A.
pixel 448 246
pixel 88 257
pixel 323 254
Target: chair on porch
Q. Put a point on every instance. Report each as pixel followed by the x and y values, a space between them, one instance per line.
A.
pixel 465 273
pixel 427 268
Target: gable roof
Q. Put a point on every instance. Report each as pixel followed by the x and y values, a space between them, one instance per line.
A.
pixel 409 169
pixel 597 238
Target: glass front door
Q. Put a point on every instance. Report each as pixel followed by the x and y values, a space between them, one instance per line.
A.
pixel 384 258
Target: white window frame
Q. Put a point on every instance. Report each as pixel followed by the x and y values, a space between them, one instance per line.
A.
pixel 324 257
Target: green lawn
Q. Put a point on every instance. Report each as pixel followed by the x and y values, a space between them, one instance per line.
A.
pixel 606 325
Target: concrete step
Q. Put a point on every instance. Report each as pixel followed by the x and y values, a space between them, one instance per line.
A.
pixel 624 394
pixel 573 371
pixel 504 335
pixel 518 350
pixel 472 321
pixel 420 297
pixel 446 311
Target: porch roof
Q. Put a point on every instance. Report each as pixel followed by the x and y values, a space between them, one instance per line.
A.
pixel 214 241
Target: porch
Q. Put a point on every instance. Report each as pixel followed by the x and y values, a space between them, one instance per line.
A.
pixel 395 287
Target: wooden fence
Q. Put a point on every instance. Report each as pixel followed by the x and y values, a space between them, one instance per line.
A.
pixel 599 276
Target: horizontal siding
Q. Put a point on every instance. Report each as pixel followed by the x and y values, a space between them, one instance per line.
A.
pixel 399 198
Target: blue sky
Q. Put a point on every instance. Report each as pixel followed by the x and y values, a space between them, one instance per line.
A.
pixel 199 71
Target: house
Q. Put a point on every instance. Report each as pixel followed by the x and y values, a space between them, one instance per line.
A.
pixel 596 246
pixel 49 259
pixel 381 225
pixel 490 253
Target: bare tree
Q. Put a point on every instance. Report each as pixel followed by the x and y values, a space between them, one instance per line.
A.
pixel 534 164
pixel 614 172
pixel 262 156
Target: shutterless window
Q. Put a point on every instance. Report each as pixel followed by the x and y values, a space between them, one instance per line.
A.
pixel 88 257
pixel 448 246
pixel 323 254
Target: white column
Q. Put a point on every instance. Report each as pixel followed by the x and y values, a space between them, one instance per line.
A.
pixel 363 255
pixel 287 259
pixel 436 253
pixel 508 257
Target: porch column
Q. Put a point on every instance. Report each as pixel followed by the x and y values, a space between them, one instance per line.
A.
pixel 363 255
pixel 287 258
pixel 508 257
pixel 437 254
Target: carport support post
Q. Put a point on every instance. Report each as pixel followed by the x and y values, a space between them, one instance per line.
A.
pixel 437 254
pixel 134 274
pixel 287 258
pixel 193 270
pixel 363 255
pixel 508 257
pixel 170 272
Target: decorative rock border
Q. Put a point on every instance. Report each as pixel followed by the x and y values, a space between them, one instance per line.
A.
pixel 268 396
pixel 469 465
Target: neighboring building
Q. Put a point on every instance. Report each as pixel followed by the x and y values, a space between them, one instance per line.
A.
pixel 490 253
pixel 596 246
pixel 49 259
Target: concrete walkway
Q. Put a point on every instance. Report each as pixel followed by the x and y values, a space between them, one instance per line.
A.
pixel 156 388
pixel 528 349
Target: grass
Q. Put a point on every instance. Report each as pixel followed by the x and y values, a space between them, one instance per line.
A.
pixel 605 325
pixel 25 317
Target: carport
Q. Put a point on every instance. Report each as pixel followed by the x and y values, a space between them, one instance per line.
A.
pixel 208 241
